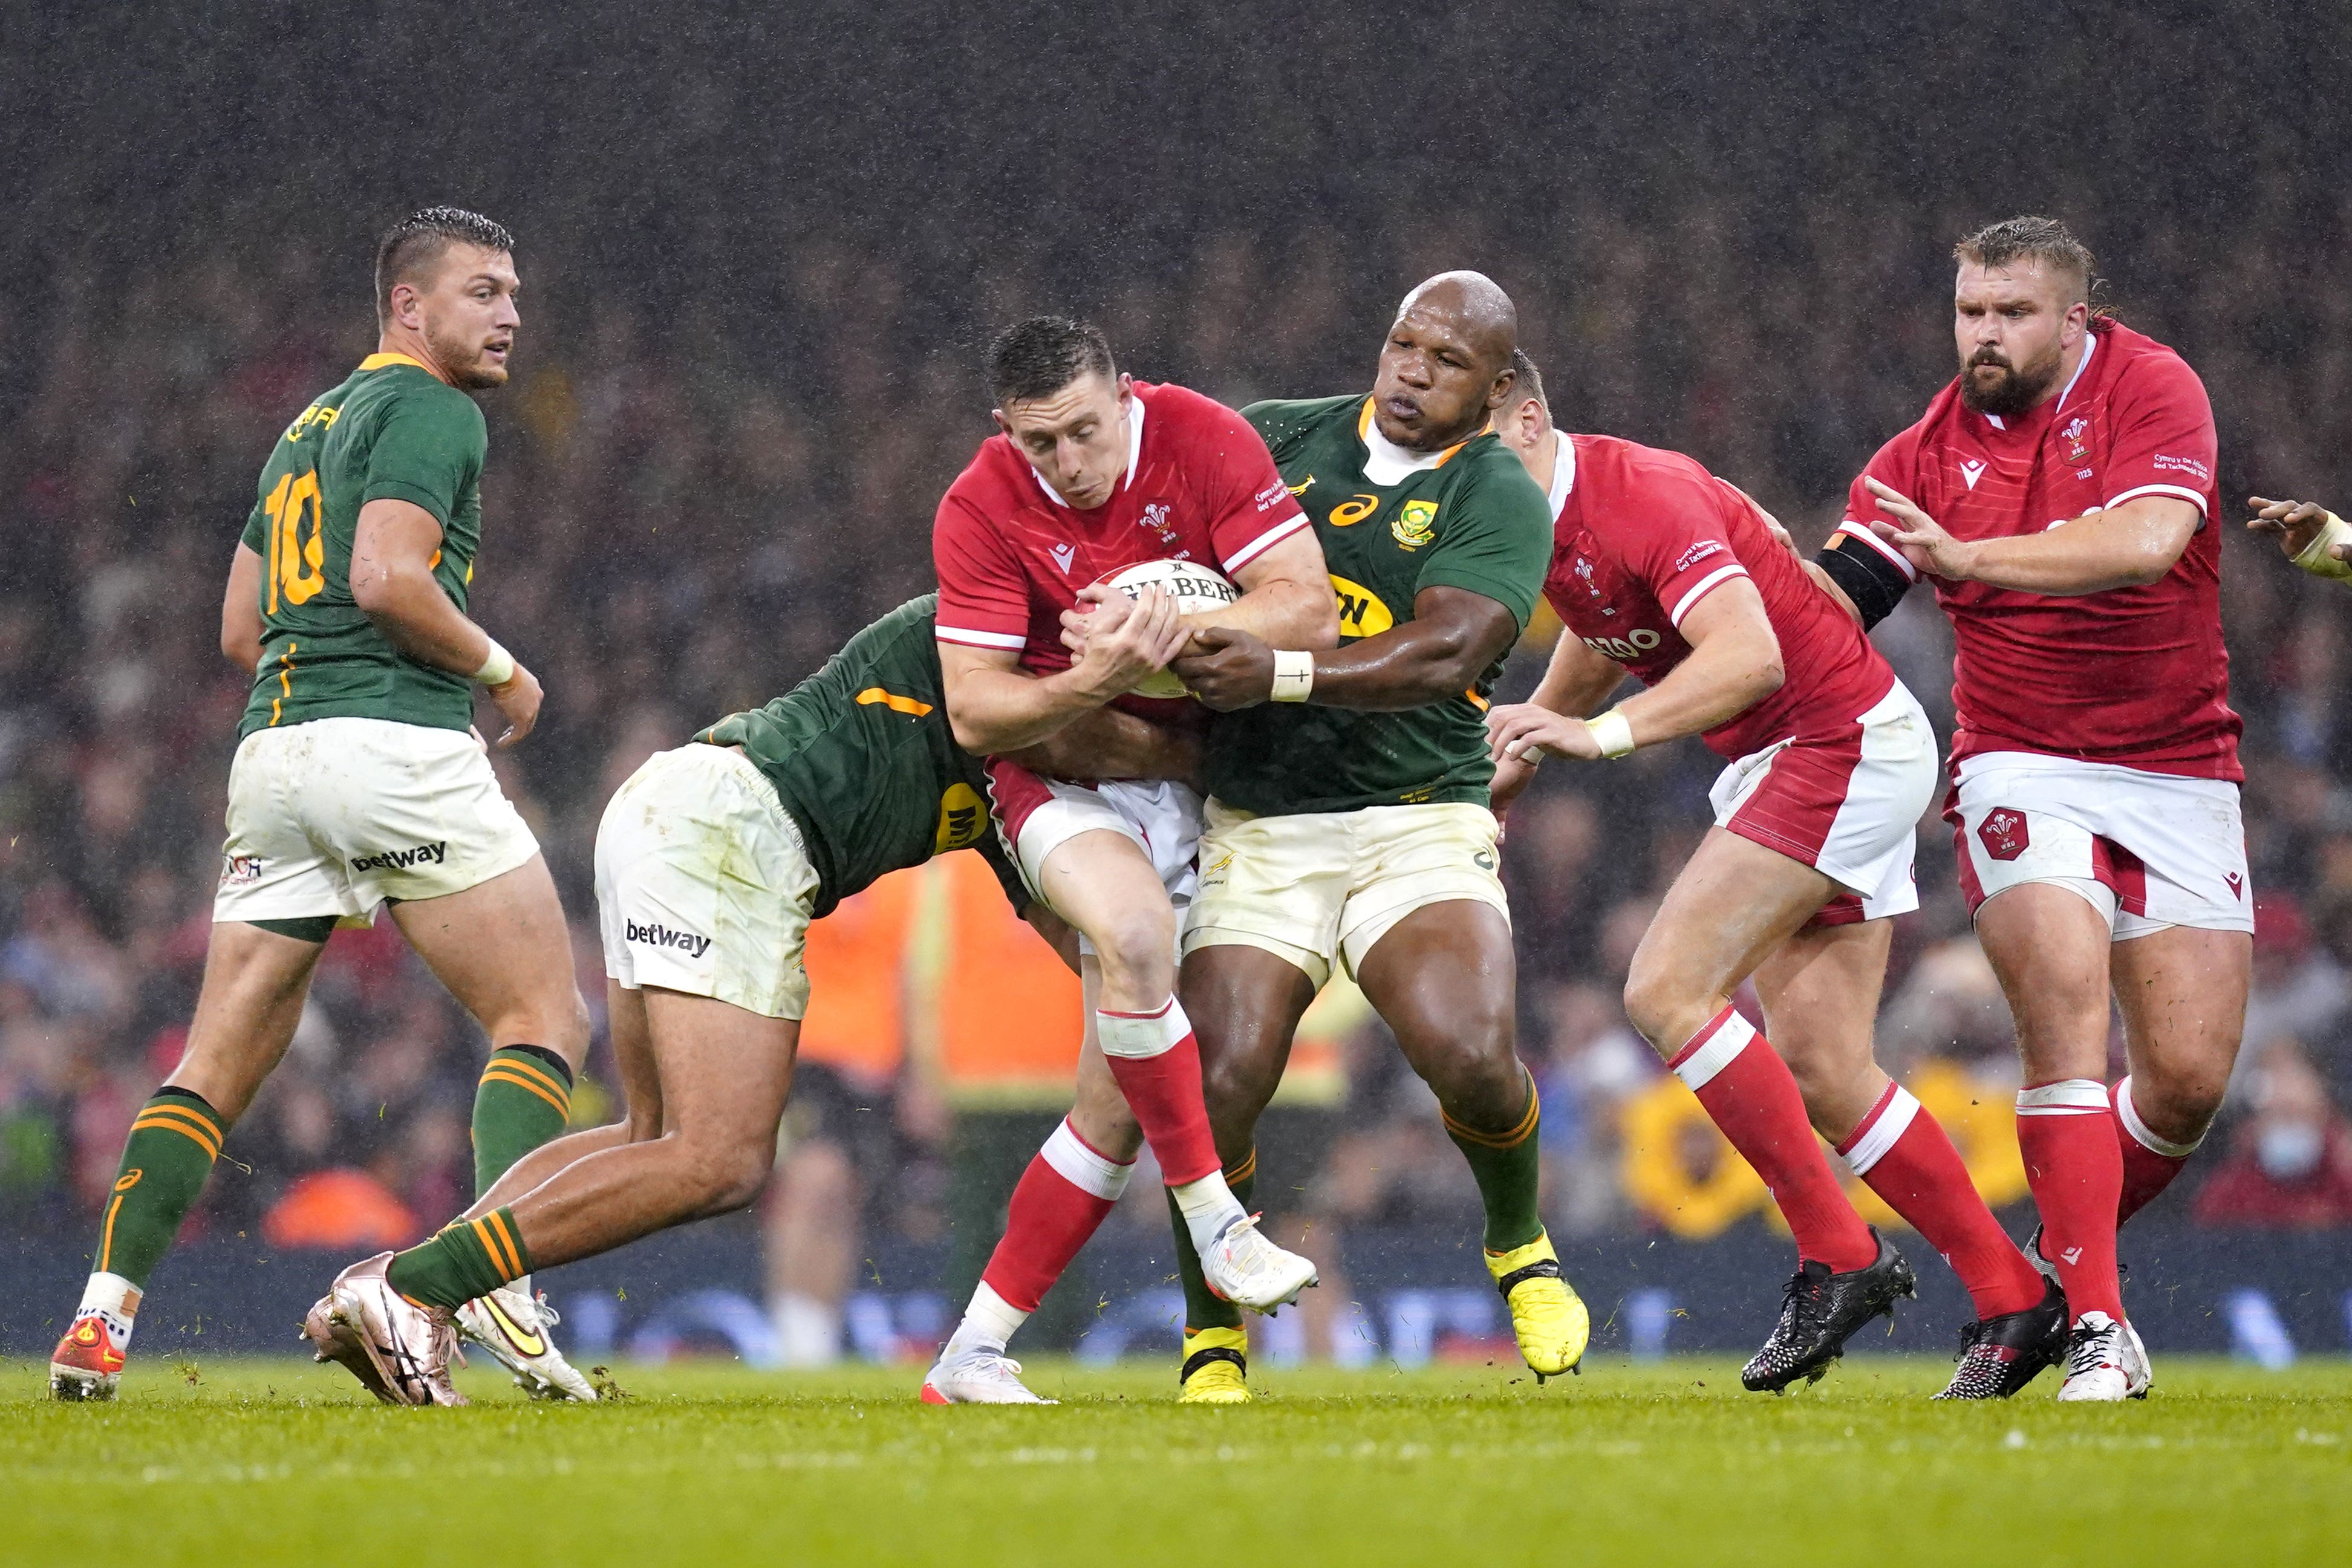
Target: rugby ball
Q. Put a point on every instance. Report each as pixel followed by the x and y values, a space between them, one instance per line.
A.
pixel 1193 586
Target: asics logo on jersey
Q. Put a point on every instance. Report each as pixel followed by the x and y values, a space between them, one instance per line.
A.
pixel 693 945
pixel 1628 648
pixel 401 860
pixel 1972 469
pixel 1063 555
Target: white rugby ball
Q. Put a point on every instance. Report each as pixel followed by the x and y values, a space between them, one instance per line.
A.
pixel 1193 586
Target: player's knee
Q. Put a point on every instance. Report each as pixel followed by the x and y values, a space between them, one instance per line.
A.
pixel 728 1175
pixel 1659 1004
pixel 1137 948
pixel 1230 1089
pixel 2179 1102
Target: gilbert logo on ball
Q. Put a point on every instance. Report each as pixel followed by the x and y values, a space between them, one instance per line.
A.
pixel 1194 588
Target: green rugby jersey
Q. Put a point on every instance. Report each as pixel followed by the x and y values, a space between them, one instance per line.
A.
pixel 392 429
pixel 1471 518
pixel 861 754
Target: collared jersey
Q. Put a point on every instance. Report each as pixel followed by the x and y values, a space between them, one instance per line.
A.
pixel 862 758
pixel 392 430
pixel 2135 676
pixel 1012 555
pixel 1392 523
pixel 1640 536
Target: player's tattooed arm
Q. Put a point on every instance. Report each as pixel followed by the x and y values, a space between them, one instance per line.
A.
pixel 1453 636
pixel 1734 663
pixel 393 552
pixel 241 611
pixel 2128 546
pixel 995 709
pixel 1110 743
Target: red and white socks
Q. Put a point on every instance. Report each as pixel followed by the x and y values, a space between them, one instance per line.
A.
pixel 1062 1200
pixel 1750 1094
pixel 1157 1063
pixel 2150 1162
pixel 2076 1167
pixel 1904 1155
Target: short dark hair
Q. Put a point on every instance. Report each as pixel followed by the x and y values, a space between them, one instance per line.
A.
pixel 2031 238
pixel 1530 379
pixel 418 240
pixel 1040 356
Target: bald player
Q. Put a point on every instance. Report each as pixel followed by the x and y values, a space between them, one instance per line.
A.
pixel 1349 822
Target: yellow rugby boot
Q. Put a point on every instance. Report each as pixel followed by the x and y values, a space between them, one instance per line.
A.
pixel 1548 1317
pixel 1216 1368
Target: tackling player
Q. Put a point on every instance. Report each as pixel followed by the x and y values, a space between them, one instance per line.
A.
pixel 2058 493
pixel 1349 823
pixel 359 783
pixel 1663 570
pixel 710 863
pixel 1091 472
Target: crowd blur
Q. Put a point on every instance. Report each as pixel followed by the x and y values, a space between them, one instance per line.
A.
pixel 693 497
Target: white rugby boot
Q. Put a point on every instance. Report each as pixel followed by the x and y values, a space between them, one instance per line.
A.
pixel 2103 1361
pixel 512 1324
pixel 1243 1267
pixel 399 1351
pixel 980 1375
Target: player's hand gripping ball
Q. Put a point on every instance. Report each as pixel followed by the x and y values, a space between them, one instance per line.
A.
pixel 1193 586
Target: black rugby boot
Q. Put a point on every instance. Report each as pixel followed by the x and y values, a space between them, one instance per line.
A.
pixel 2000 1355
pixel 1821 1310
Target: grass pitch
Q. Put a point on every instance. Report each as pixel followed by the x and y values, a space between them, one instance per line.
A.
pixel 257 1463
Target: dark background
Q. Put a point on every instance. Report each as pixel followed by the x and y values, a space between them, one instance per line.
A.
pixel 760 246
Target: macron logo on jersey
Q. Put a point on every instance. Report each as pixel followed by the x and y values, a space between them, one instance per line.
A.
pixel 1972 469
pixel 1063 555
pixel 652 934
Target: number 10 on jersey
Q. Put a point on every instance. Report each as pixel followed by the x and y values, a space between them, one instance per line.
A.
pixel 297 565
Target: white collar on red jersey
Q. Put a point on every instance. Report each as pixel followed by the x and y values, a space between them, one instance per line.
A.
pixel 1563 472
pixel 2090 346
pixel 1134 453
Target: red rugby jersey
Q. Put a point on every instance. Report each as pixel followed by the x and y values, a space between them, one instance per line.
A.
pixel 1639 536
pixel 1012 555
pixel 2135 676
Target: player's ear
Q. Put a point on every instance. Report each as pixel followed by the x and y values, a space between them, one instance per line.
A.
pixel 998 415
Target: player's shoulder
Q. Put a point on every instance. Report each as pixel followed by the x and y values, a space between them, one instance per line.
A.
pixel 989 486
pixel 1612 460
pixel 2140 366
pixel 1288 420
pixel 410 389
pixel 1194 425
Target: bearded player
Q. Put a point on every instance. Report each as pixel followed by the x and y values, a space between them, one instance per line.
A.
pixel 1349 822
pixel 711 861
pixel 2058 493
pixel 1663 570
pixel 1091 472
pixel 357 782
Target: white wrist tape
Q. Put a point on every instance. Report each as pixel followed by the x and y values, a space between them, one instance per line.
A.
pixel 1294 675
pixel 1613 732
pixel 498 667
pixel 2319 558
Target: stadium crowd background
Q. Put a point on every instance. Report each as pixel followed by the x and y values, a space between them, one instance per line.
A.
pixel 748 369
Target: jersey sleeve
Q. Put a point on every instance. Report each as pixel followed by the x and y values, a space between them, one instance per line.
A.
pixel 983 597
pixel 1874 573
pixel 255 536
pixel 1250 509
pixel 428 454
pixel 1499 542
pixel 1683 551
pixel 2163 443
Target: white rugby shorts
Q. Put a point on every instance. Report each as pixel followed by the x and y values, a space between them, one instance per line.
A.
pixel 335 816
pixel 1037 815
pixel 703 884
pixel 2147 850
pixel 1846 803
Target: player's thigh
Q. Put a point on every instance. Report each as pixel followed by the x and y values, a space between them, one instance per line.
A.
pixel 1445 980
pixel 1820 991
pixel 504 951
pixel 1104 885
pixel 254 987
pixel 1732 903
pixel 633 1060
pixel 725 1073
pixel 2182 993
pixel 1245 1003
pixel 2049 946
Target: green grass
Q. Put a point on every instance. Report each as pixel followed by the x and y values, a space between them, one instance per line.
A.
pixel 256 1463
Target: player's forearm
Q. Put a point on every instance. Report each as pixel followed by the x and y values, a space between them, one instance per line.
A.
pixel 1109 744
pixel 407 604
pixel 1724 676
pixel 2130 546
pixel 1576 681
pixel 1283 615
pixel 1410 666
pixel 994 713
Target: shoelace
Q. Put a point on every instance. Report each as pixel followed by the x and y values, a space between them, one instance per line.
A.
pixel 2091 1351
pixel 1801 1302
pixel 1970 1332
